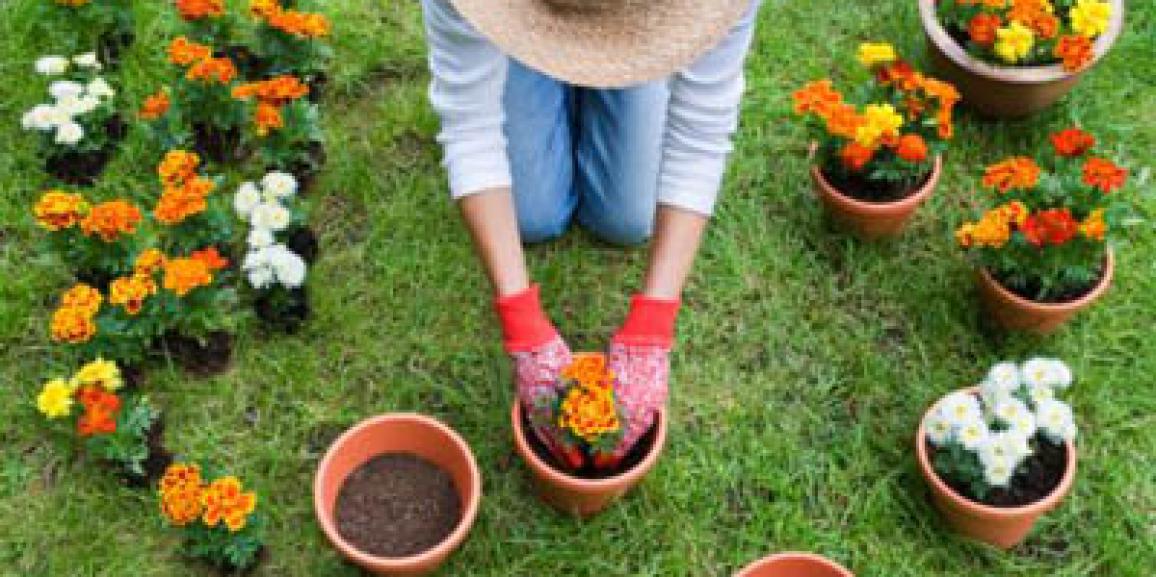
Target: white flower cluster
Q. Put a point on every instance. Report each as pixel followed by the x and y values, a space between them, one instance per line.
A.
pixel 1016 403
pixel 70 99
pixel 263 207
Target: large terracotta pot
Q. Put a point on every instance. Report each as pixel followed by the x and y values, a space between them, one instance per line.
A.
pixel 1006 91
pixel 582 497
pixel 1015 313
pixel 872 220
pixel 404 433
pixel 795 565
pixel 1003 527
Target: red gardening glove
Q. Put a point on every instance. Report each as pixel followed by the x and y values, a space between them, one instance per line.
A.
pixel 539 355
pixel 640 358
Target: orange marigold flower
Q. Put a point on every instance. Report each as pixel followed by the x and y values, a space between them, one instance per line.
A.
pixel 149 262
pixel 96 422
pixel 224 500
pixel 276 91
pixel 1018 173
pixel 1073 142
pixel 264 9
pixel 72 325
pixel 111 219
pixel 1045 25
pixel 131 292
pixel 181 475
pixel 912 148
pixel 855 156
pixel 198 9
pixel 73 3
pixel 185 52
pixel 844 120
pixel 58 210
pixel 1075 50
pixel 899 73
pixel 83 298
pixel 1104 174
pixel 268 118
pixel 177 204
pixel 819 97
pixel 211 257
pixel 220 70
pixel 301 24
pixel 589 412
pixel 155 106
pixel 1050 227
pixel 181 493
pixel 1094 227
pixel 982 28
pixel 183 275
pixel 178 166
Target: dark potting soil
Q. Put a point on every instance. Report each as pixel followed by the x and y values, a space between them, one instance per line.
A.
pixel 1042 473
pixel 202 359
pixel 112 44
pixel 397 505
pixel 317 86
pixel 77 168
pixel 860 188
pixel 303 241
pixel 282 309
pixel 248 63
pixel 632 459
pixel 1031 291
pixel 159 459
pixel 219 146
pixel 306 170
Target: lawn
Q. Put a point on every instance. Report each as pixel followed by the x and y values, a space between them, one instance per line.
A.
pixel 805 358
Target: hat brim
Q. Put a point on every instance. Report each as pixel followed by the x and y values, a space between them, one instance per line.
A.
pixel 640 42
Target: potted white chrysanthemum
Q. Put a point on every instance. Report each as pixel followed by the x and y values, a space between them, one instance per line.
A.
pixel 79 127
pixel 280 248
pixel 1000 455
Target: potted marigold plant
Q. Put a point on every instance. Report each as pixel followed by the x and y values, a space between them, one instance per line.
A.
pixel 1042 252
pixel 1000 455
pixel 97 240
pixel 1012 58
pixel 567 438
pixel 124 431
pixel 287 133
pixel 280 247
pixel 218 518
pixel 202 97
pixel 293 41
pixel 875 164
pixel 79 128
pixel 106 26
pixel 190 215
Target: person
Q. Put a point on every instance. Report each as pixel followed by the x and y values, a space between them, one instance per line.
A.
pixel 616 114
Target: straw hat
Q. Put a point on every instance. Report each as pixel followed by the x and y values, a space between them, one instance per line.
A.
pixel 604 43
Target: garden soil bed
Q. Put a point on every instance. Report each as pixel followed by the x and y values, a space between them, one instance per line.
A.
pixel 864 190
pixel 159 459
pixel 212 357
pixel 397 505
pixel 218 145
pixel 1042 473
pixel 632 459
pixel 303 241
pixel 77 168
pixel 283 309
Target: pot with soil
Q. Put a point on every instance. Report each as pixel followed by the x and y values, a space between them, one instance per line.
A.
pixel 154 465
pixel 795 565
pixel 220 145
pixel 844 200
pixel 1006 516
pixel 1004 91
pixel 1015 312
pixel 283 309
pixel 203 357
pixel 586 492
pixel 397 494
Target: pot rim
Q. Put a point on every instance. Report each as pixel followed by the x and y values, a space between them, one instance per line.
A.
pixel 795 556
pixel 1035 508
pixel 433 554
pixel 1015 74
pixel 866 206
pixel 589 486
pixel 1092 295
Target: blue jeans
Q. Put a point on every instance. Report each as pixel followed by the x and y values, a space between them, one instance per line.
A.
pixel 584 153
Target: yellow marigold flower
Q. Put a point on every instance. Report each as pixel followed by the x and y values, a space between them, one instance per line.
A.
pixel 880 121
pixel 1014 42
pixel 589 412
pixel 58 210
pixel 82 297
pixel 1094 226
pixel 99 373
pixel 55 399
pixel 872 54
pixel 1091 17
pixel 130 292
pixel 149 262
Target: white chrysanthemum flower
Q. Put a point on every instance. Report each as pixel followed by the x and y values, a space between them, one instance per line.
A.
pixel 51 65
pixel 287 265
pixel 260 278
pixel 100 88
pixel 246 199
pixel 279 185
pixel 998 471
pixel 1056 420
pixel 1036 372
pixel 1004 377
pixel 1012 444
pixel 87 60
pixel 43 117
pixel 972 435
pixel 69 133
pixel 78 106
pixel 1061 374
pixel 257 269
pixel 1041 393
pixel 271 216
pixel 938 428
pixel 1010 409
pixel 1024 425
pixel 260 238
pixel 960 408
pixel 62 89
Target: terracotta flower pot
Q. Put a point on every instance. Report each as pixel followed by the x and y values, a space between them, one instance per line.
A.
pixel 795 565
pixel 576 496
pixel 873 220
pixel 1015 313
pixel 405 433
pixel 1003 527
pixel 1006 91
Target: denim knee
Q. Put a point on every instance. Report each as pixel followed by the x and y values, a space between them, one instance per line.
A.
pixel 536 227
pixel 625 228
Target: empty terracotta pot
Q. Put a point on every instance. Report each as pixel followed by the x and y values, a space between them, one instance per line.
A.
pixel 1015 313
pixel 872 220
pixel 1003 527
pixel 1005 91
pixel 795 565
pixel 576 496
pixel 398 433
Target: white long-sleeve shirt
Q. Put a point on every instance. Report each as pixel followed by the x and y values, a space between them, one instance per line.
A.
pixel 469 77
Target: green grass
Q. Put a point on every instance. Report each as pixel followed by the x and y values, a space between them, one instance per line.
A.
pixel 805 359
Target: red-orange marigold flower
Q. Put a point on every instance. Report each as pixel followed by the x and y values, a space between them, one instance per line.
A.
pixel 185 52
pixel 155 106
pixel 198 9
pixel 1018 173
pixel 211 257
pixel 1075 50
pixel 912 148
pixel 1073 142
pixel 982 28
pixel 267 118
pixel 1104 174
pixel 855 156
pixel 819 97
pixel 1050 227
pixel 219 70
pixel 109 220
